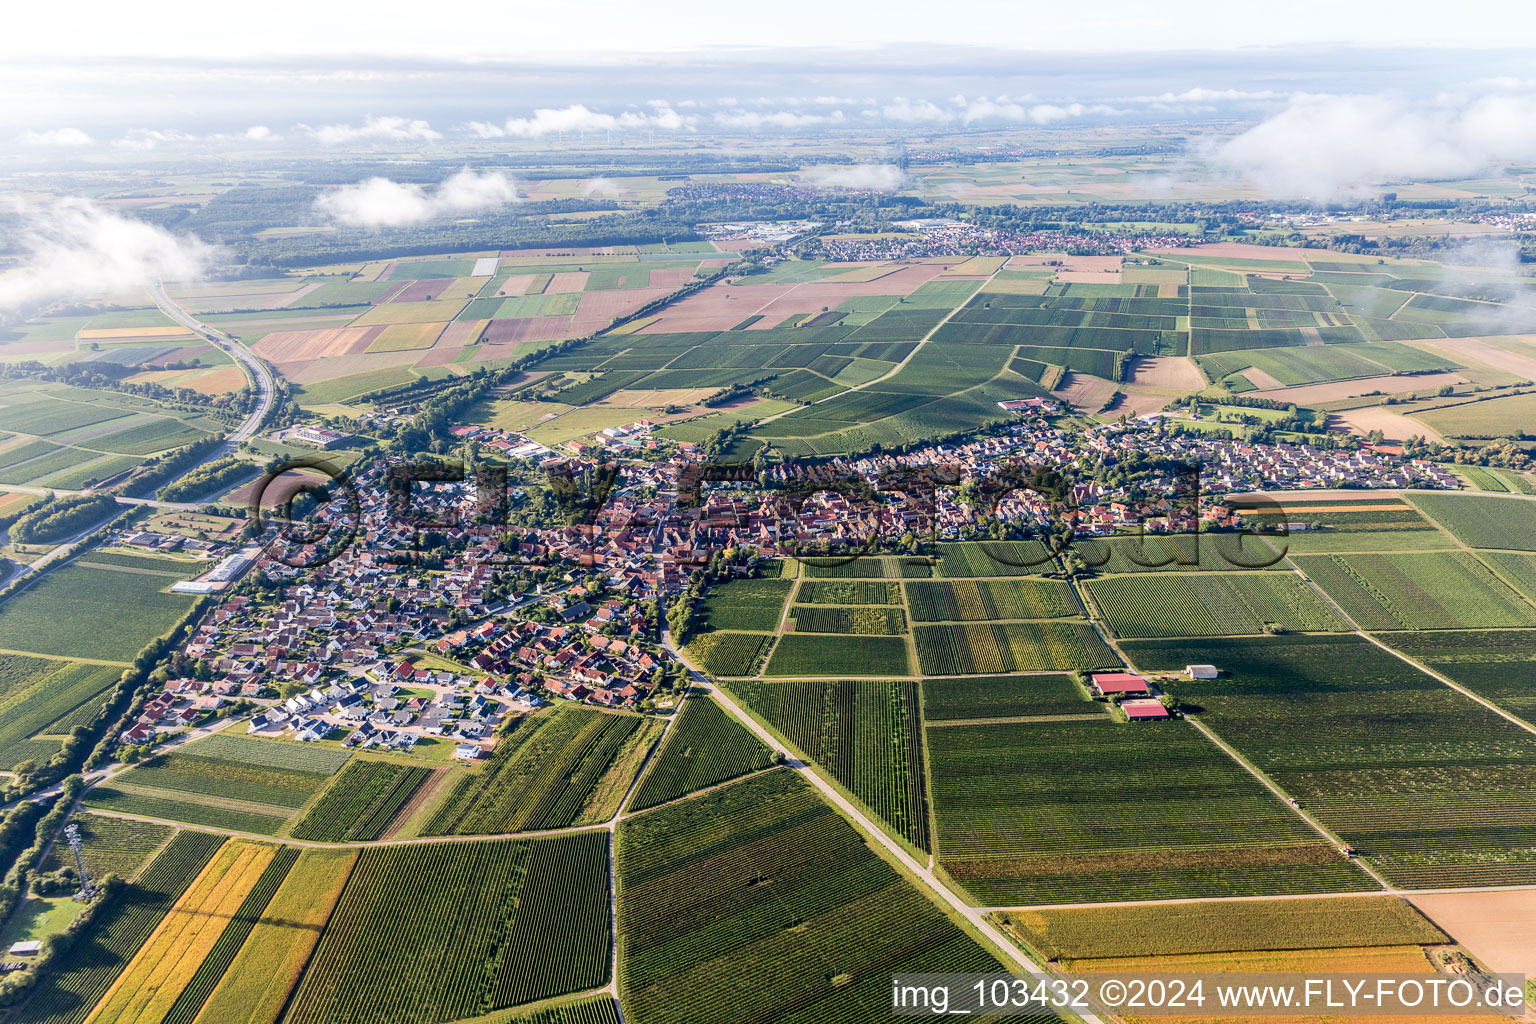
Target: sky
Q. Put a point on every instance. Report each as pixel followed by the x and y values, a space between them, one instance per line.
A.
pixel 501 29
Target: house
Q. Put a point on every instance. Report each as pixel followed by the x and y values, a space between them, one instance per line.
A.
pixel 1144 710
pixel 1201 671
pixel 30 948
pixel 1119 684
pixel 466 752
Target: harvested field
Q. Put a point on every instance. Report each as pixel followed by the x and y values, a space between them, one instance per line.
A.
pixel 297 346
pixel 1312 394
pixel 515 285
pixel 1262 380
pixel 314 371
pixel 1084 392
pixel 659 399
pixel 406 337
pixel 1393 425
pixel 671 278
pixel 1498 927
pixel 1493 355
pixel 598 309
pixel 533 328
pixel 410 313
pixel 569 281
pixel 1168 372
pixel 135 332
pixel 422 291
pixel 453 339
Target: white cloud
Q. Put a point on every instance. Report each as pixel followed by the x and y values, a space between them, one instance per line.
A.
pixel 1325 146
pixel 382 203
pixel 260 133
pixel 752 120
pixel 75 249
pixel 374 129
pixel 879 177
pixel 914 112
pixel 578 118
pixel 149 138
pixel 57 137
pixel 601 187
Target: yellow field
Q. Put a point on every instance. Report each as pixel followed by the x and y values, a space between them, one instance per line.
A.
pixel 976 266
pixel 406 337
pixel 163 966
pixel 167 331
pixel 462 288
pixel 635 325
pixel 1013 287
pixel 410 313
pixel 257 984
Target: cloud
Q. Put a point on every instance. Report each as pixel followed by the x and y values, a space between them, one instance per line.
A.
pixel 74 249
pixel 382 203
pixel 373 129
pixel 260 133
pixel 878 177
pixel 914 112
pixel 56 137
pixel 600 187
pixel 753 120
pixel 1323 146
pixel 149 138
pixel 578 118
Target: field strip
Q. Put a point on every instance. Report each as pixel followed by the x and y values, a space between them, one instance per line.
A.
pixel 1015 720
pixel 1249 899
pixel 130 569
pixel 976 918
pixel 60 657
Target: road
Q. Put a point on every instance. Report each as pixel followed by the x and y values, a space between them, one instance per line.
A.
pixel 259 374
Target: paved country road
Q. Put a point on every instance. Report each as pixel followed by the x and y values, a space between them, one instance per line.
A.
pixel 259 373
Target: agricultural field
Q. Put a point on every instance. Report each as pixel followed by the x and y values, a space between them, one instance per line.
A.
pixel 984 648
pixel 544 774
pixel 1221 927
pixel 1068 812
pixel 1498 523
pixel 85 973
pixel 1433 789
pixel 848 592
pixel 986 600
pixel 1356 524
pixel 1421 590
pixel 361 803
pixel 865 734
pixel 855 620
pixel 1214 552
pixel 1492 663
pixel 704 748
pixel 811 654
pixel 726 653
pixel 749 605
pixel 451 930
pixel 79 611
pixel 247 785
pixel 117 846
pixel 1005 697
pixel 260 977
pixel 819 944
pixel 42 700
pixel 1211 604
pixel 993 558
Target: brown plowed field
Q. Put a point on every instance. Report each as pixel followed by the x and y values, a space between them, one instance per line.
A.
pixel 296 346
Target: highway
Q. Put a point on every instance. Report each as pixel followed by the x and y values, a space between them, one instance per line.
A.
pixel 259 374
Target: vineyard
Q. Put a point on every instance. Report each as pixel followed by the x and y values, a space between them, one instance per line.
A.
pixel 242 784
pixel 592 1010
pixel 1494 664
pixel 424 934
pixel 1066 812
pixel 958 700
pixel 994 558
pixel 1423 590
pixel 981 648
pixel 1214 552
pixel 1211 604
pixel 728 654
pixel 868 620
pixel 168 960
pixel 361 803
pixel 255 987
pixel 49 697
pixel 866 735
pixel 989 600
pixel 539 777
pixel 809 654
pixel 1499 523
pixel 848 592
pixel 704 748
pixel 1434 788
pixel 799 921
pixel 84 973
pixel 117 846
pixel 745 605
pixel 1218 927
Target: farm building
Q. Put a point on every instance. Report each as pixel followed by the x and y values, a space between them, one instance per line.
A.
pixel 1120 684
pixel 1201 672
pixel 1144 710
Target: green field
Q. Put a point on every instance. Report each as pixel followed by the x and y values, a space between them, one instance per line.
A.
pixel 1498 523
pixel 82 612
pixel 704 748
pixel 1431 787
pixel 361 803
pixel 453 930
pixel 541 776
pixel 981 648
pixel 48 699
pixel 798 920
pixel 810 654
pixel 117 846
pixel 726 653
pixel 1064 812
pixel 990 697
pixel 1421 590
pixel 745 605
pixel 1210 604
pixel 1494 663
pixel 987 600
